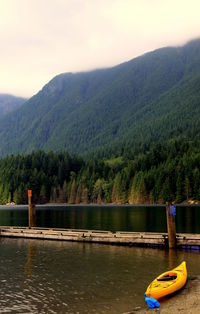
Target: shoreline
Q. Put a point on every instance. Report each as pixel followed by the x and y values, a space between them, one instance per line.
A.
pixel 186 301
pixel 7 206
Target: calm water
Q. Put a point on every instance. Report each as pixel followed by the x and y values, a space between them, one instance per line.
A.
pixel 104 218
pixel 61 277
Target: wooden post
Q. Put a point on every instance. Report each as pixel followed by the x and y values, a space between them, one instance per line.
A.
pixel 31 211
pixel 171 225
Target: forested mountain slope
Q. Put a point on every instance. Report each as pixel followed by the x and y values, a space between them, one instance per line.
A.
pixel 111 111
pixel 9 103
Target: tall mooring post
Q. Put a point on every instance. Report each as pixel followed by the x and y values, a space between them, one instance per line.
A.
pixel 31 211
pixel 171 224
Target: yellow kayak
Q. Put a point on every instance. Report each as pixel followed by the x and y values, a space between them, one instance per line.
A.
pixel 168 282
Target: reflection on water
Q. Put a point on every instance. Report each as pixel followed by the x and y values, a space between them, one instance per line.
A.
pixel 152 219
pixel 28 268
pixel 62 277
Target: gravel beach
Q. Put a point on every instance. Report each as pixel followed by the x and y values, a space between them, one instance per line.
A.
pixel 186 301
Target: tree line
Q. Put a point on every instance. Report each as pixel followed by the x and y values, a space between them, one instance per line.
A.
pixel 166 172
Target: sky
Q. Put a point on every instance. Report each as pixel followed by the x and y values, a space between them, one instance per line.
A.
pixel 43 38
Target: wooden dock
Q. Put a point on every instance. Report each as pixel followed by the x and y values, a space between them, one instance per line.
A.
pixel 186 241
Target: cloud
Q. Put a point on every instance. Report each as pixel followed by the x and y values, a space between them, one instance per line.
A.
pixel 41 38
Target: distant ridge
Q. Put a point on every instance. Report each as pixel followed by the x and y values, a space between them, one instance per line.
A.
pixel 9 103
pixel 112 111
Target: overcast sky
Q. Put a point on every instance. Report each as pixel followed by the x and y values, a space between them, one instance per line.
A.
pixel 42 38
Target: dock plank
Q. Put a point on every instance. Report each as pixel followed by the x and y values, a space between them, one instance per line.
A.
pixel 100 236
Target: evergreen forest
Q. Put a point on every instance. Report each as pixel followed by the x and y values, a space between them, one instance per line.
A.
pixel 169 172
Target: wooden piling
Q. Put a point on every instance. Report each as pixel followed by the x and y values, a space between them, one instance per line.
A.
pixel 171 227
pixel 31 211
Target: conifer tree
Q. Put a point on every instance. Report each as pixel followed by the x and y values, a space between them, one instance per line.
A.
pixel 84 197
pixel 79 194
pixel 73 192
pixel 43 197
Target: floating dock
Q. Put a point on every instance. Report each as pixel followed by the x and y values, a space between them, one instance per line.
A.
pixel 185 241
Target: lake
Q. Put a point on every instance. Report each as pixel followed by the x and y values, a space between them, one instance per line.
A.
pixel 113 218
pixel 40 276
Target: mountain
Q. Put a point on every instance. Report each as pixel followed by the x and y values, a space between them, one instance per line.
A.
pixel 9 103
pixel 111 111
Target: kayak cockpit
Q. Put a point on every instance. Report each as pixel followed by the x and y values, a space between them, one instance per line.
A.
pixel 168 277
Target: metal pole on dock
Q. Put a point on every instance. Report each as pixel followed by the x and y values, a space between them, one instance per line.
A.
pixel 171 224
pixel 31 211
